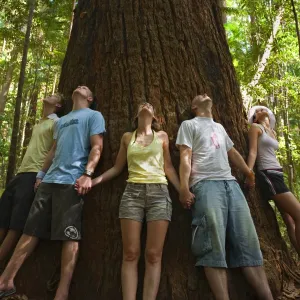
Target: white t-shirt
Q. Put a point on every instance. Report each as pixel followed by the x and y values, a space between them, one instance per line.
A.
pixel 209 143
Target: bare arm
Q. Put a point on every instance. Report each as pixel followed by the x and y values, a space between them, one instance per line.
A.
pixel 253 135
pixel 238 161
pixel 185 166
pixel 186 197
pixel 119 164
pixel 168 166
pixel 84 182
pixel 49 158
pixel 95 153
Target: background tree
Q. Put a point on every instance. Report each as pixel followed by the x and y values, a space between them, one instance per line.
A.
pixel 277 85
pixel 49 37
pixel 15 131
pixel 164 52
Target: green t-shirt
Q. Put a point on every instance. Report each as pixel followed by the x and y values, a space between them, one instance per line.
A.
pixel 40 143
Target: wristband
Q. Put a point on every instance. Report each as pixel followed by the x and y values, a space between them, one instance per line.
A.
pixel 40 174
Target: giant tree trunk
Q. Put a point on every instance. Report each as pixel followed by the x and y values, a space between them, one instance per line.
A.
pixel 164 52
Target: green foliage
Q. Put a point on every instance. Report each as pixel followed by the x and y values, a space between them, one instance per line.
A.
pixel 249 27
pixel 48 42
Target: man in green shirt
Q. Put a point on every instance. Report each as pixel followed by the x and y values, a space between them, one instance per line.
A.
pixel 17 198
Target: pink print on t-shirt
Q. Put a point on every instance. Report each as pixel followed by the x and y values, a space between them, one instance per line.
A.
pixel 215 141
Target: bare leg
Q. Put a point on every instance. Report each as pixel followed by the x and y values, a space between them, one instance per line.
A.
pixel 156 234
pixel 217 279
pixel 257 278
pixel 131 232
pixel 3 232
pixel 69 256
pixel 25 247
pixel 288 204
pixel 290 226
pixel 9 243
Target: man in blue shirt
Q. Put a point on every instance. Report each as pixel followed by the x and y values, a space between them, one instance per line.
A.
pixel 56 212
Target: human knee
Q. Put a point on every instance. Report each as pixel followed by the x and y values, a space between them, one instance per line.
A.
pixel 131 254
pixel 292 219
pixel 71 247
pixel 3 233
pixel 290 224
pixel 153 256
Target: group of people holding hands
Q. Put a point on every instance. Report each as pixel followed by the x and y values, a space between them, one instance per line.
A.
pixel 45 199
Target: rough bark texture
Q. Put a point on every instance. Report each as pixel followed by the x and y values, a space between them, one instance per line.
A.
pixel 165 52
pixel 30 121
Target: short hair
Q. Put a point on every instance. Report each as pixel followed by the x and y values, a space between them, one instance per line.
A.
pixel 93 104
pixel 201 97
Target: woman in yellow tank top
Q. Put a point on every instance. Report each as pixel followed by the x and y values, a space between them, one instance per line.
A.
pixel 147 153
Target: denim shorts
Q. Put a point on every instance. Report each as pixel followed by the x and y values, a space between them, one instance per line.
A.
pixel 140 199
pixel 221 215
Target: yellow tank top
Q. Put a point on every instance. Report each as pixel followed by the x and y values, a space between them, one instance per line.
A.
pixel 146 164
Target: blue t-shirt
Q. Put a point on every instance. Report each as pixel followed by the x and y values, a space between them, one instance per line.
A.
pixel 72 133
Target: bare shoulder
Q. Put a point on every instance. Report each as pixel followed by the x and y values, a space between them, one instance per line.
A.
pixel 255 129
pixel 126 138
pixel 163 135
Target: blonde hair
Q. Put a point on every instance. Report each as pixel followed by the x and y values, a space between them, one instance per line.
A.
pixel 61 100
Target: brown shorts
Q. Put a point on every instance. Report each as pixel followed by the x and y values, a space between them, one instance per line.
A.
pixel 56 213
pixel 140 199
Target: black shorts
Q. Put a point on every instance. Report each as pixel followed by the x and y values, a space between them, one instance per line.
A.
pixel 56 213
pixel 271 182
pixel 16 201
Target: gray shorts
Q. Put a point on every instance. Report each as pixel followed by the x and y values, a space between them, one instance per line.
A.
pixel 56 213
pixel 221 214
pixel 151 199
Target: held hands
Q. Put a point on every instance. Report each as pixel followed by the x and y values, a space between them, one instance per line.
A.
pixel 250 179
pixel 83 185
pixel 186 198
pixel 37 183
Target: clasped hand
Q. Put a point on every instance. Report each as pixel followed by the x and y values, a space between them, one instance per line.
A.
pixel 186 198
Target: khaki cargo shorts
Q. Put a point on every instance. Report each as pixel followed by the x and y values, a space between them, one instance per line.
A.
pixel 140 199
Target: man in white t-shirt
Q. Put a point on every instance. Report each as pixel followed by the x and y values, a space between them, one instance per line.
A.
pixel 220 210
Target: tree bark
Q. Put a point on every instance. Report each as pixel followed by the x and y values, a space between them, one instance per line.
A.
pixel 222 4
pixel 287 140
pixel 8 79
pixel 164 52
pixel 14 137
pixel 30 121
pixel 72 17
pixel 22 126
pixel 296 23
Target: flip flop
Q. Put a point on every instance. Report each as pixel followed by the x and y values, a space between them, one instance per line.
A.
pixel 7 293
